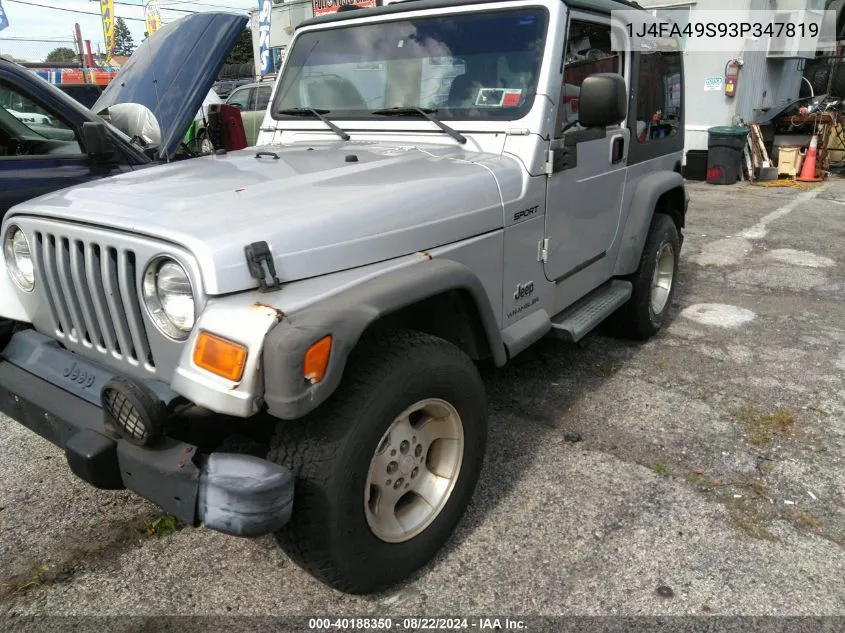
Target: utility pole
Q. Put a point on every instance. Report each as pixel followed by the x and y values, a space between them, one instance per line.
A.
pixel 81 51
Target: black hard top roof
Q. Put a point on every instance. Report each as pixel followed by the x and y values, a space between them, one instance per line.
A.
pixel 599 6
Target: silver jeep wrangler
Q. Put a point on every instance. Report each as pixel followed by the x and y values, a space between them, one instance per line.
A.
pixel 283 339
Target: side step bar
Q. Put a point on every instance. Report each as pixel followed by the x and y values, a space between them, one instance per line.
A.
pixel 576 321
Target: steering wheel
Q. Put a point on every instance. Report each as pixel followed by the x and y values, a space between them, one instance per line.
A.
pixel 16 147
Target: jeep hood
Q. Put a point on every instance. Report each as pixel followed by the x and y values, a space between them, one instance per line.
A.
pixel 172 71
pixel 321 208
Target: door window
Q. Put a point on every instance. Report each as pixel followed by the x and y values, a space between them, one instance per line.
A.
pixel 588 51
pixel 242 98
pixel 262 97
pixel 658 96
pixel 28 130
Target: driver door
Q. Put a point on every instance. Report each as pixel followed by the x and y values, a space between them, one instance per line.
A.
pixel 39 150
pixel 584 196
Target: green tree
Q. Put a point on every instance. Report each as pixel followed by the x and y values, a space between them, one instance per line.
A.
pixel 242 51
pixel 123 42
pixel 62 54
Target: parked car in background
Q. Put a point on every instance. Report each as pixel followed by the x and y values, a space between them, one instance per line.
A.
pixel 251 100
pixel 86 94
pixel 225 87
pixel 49 140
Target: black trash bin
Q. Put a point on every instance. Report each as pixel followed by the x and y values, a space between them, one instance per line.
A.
pixel 724 153
pixel 696 165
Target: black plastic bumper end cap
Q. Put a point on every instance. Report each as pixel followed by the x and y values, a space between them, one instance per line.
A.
pixel 93 458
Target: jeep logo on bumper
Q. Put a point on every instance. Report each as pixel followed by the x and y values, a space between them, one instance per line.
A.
pixel 77 374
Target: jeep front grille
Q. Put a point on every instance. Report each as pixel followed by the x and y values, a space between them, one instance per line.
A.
pixel 92 293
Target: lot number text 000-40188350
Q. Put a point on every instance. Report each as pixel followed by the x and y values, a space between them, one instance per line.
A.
pixel 416 624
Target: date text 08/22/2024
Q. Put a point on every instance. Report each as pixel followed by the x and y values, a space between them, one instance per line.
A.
pixel 415 624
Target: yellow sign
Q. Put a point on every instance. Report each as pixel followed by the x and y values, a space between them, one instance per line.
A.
pixel 152 17
pixel 107 11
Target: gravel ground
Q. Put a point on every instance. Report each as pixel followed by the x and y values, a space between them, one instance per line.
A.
pixel 699 473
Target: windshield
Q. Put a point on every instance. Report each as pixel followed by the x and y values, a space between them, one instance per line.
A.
pixel 482 65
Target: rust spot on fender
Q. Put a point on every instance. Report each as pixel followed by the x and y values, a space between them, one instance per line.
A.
pixel 280 314
pixel 426 254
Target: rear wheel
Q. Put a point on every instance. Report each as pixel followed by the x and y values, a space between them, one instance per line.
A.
pixel 647 310
pixel 387 466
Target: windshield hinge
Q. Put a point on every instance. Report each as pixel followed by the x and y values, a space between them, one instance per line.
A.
pixel 543 250
pixel 261 266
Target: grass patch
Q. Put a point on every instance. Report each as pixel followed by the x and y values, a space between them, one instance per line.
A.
pixel 757 487
pixel 764 428
pixel 752 525
pixel 76 555
pixel 606 369
pixel 807 520
pixel 161 526
pixel 21 584
pixel 696 479
pixel 661 469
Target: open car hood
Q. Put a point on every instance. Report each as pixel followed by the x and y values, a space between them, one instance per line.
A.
pixel 172 71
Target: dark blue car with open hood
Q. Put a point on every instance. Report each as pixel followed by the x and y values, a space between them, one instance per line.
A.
pixel 49 141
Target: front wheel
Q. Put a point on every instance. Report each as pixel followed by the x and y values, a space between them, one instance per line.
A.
pixel 387 466
pixel 647 310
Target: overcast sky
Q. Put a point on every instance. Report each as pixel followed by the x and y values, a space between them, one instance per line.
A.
pixel 31 22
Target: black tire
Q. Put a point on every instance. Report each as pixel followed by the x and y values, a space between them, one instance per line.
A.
pixel 330 452
pixel 636 319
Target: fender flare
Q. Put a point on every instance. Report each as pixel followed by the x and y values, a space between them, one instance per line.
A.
pixel 345 316
pixel 640 212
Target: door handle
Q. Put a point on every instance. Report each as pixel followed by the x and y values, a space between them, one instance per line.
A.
pixel 617 149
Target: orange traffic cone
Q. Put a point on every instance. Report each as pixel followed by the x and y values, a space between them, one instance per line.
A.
pixel 808 169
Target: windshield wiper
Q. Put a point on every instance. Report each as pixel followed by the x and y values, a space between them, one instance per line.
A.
pixel 319 114
pixel 426 113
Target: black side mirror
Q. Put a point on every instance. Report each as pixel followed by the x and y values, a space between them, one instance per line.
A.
pixel 98 144
pixel 603 100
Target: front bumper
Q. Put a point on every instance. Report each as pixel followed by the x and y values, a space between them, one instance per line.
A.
pixel 235 494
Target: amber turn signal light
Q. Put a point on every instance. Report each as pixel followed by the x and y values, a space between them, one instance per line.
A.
pixel 220 356
pixel 317 359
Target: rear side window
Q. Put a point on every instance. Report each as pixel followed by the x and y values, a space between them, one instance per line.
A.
pixel 658 96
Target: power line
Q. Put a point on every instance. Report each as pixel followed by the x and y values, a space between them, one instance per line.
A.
pixel 34 39
pixel 141 6
pixel 201 3
pixel 164 7
pixel 77 11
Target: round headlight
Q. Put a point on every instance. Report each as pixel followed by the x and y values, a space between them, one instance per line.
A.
pixel 19 259
pixel 169 298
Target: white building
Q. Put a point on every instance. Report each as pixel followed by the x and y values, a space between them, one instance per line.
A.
pixel 767 79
